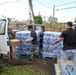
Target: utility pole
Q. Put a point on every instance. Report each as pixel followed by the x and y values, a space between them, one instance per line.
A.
pixel 54 14
pixel 31 12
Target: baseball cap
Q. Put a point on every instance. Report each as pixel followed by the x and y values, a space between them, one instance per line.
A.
pixel 69 23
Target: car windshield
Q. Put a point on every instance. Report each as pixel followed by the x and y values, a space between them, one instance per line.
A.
pixel 74 24
pixel 2 27
pixel 26 28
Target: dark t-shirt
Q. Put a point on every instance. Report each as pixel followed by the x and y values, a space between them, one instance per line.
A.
pixel 33 34
pixel 11 36
pixel 69 39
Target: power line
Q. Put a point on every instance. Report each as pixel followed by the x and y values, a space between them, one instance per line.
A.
pixel 9 2
pixel 43 4
pixel 66 8
pixel 66 4
pixel 59 5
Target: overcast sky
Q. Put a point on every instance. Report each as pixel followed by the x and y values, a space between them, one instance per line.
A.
pixel 20 9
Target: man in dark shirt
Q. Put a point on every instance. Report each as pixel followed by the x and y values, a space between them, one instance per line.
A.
pixel 33 40
pixel 69 47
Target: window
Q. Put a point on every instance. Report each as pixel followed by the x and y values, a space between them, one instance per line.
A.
pixel 25 28
pixel 38 28
pixel 2 27
pixel 74 26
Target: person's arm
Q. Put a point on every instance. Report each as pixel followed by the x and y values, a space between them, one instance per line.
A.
pixel 27 40
pixel 31 38
pixel 57 41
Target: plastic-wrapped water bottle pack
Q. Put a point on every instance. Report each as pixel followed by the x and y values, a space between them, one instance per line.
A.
pixel 25 48
pixel 48 49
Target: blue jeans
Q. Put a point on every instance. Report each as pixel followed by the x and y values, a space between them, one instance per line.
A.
pixel 64 57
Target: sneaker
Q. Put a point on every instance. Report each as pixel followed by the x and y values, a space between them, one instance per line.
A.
pixel 30 61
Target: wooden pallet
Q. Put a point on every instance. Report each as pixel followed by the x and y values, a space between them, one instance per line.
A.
pixel 57 70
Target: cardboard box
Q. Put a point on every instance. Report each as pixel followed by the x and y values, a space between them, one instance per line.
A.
pixel 14 42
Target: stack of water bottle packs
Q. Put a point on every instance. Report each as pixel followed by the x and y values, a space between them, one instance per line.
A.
pixel 49 50
pixel 24 49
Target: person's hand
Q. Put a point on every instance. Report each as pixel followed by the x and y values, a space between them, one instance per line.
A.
pixel 24 41
pixel 52 43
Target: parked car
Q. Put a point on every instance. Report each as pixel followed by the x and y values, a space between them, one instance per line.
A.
pixel 36 27
pixel 74 26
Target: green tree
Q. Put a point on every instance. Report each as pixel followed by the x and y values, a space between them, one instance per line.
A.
pixel 38 19
pixel 52 20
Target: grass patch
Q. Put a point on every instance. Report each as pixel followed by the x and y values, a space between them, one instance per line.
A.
pixel 20 70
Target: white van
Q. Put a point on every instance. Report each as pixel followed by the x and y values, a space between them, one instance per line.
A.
pixel 4 39
pixel 74 26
